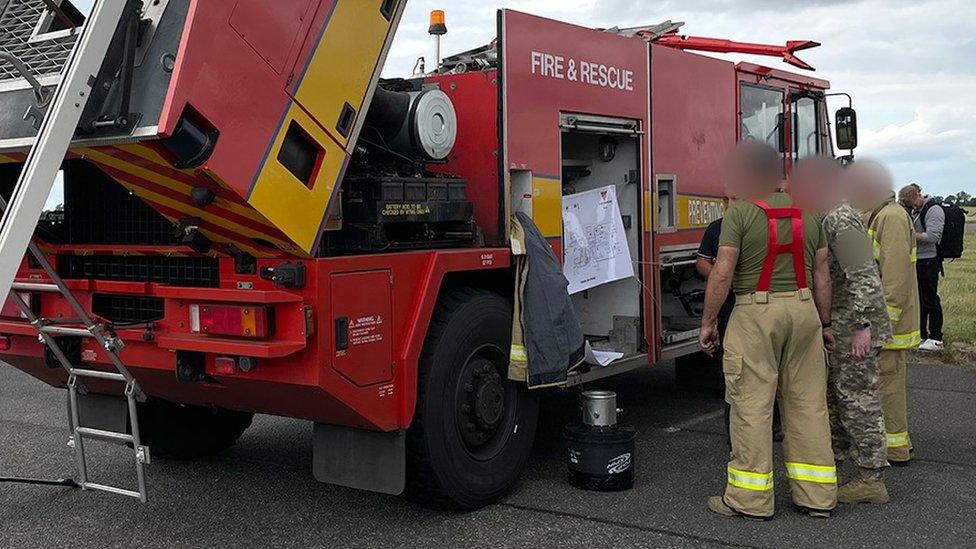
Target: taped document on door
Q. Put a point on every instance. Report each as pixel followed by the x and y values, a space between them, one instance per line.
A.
pixel 595 247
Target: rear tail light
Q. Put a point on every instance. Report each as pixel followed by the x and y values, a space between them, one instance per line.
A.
pixel 225 365
pixel 4 343
pixel 231 320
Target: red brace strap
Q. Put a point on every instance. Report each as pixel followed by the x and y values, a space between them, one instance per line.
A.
pixel 775 249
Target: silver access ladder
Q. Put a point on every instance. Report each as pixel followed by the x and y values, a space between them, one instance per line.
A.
pixel 20 217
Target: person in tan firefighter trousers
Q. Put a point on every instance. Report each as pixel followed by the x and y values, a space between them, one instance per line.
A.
pixel 859 320
pixel 774 346
pixel 893 239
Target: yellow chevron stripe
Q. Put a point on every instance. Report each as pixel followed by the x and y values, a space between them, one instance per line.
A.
pixel 173 184
pixel 197 212
pixel 147 153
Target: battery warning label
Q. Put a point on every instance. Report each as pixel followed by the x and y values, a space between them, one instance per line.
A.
pixel 365 329
pixel 549 65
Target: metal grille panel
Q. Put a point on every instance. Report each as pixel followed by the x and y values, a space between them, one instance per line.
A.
pixel 175 271
pixel 100 211
pixel 42 57
pixel 123 309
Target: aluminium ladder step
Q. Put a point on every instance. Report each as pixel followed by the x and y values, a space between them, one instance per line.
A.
pixel 34 287
pixel 96 374
pixel 109 436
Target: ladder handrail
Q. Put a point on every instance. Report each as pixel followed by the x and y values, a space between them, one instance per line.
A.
pixel 41 98
pixel 19 220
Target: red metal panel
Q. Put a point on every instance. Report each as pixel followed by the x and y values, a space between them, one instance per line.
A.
pixel 273 34
pixel 694 112
pixel 362 311
pixel 553 67
pixel 296 376
pixel 693 106
pixel 230 85
pixel 475 155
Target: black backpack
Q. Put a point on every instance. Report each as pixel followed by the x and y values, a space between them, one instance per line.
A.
pixel 954 232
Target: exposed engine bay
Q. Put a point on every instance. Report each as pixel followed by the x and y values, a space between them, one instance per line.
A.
pixel 389 199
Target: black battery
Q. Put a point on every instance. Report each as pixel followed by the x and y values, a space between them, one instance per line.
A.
pixel 600 458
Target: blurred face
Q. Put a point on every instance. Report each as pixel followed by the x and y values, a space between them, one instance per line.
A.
pixel 750 173
pixel 738 180
pixel 919 202
pixel 815 184
pixel 867 184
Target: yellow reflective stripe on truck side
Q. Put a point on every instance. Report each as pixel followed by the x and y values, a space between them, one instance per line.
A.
pixel 824 474
pixel 750 481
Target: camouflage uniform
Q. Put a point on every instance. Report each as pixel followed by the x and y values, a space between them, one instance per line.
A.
pixel 857 424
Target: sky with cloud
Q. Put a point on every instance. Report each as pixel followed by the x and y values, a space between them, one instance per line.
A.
pixel 910 65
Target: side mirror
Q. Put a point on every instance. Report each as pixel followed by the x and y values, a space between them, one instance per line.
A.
pixel 846 128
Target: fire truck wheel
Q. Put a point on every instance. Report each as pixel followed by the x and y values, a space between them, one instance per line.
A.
pixel 187 432
pixel 473 428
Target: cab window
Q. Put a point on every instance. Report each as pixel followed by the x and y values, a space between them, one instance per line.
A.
pixel 761 115
pixel 806 138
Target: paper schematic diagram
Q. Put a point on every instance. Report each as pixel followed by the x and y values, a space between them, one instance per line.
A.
pixel 595 246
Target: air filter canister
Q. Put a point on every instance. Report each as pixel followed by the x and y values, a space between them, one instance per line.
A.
pixel 419 124
pixel 600 452
pixel 434 124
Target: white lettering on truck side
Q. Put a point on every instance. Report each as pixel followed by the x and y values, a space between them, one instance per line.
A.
pixel 548 65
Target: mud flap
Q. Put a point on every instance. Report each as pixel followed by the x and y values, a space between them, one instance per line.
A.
pixel 361 459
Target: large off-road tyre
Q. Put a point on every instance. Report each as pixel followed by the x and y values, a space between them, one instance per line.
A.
pixel 473 428
pixel 187 432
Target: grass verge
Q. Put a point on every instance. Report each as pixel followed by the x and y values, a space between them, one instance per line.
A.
pixel 958 292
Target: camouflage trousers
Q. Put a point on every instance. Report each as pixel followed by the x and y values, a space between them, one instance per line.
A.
pixel 854 403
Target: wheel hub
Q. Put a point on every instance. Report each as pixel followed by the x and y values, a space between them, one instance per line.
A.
pixel 483 402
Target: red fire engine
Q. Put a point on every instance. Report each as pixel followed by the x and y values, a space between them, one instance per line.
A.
pixel 269 227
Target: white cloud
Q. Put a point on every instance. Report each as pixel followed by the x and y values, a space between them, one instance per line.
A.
pixel 910 64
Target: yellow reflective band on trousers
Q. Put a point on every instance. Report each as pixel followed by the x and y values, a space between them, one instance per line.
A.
pixel 905 341
pixel 824 474
pixel 894 313
pixel 751 481
pixel 518 354
pixel 897 440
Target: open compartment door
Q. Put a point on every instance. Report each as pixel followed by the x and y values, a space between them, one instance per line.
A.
pixel 575 113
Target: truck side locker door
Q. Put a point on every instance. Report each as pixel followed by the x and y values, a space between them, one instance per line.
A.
pixel 331 86
pixel 273 34
pixel 362 313
pixel 345 60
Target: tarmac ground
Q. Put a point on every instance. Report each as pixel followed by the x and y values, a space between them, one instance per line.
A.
pixel 261 493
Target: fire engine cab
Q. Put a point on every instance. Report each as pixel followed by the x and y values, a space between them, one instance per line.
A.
pixel 253 221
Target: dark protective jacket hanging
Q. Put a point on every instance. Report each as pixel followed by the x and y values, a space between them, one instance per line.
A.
pixel 547 338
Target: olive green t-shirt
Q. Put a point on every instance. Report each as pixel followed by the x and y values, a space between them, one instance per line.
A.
pixel 745 227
